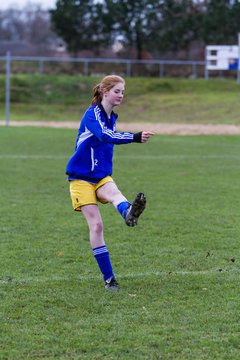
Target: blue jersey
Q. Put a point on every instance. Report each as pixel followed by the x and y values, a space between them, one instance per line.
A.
pixel 92 159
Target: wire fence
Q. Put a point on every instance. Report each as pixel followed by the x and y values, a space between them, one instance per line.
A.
pixel 95 66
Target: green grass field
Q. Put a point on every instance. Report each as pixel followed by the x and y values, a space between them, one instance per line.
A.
pixel 65 98
pixel 178 269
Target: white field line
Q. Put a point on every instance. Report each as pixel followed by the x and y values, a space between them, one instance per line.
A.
pixel 141 157
pixel 9 280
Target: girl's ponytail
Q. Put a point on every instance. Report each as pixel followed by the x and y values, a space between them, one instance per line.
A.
pixel 97 96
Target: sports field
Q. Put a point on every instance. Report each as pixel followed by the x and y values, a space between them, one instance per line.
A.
pixel 178 270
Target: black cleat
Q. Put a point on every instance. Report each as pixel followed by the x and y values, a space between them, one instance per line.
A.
pixel 111 284
pixel 135 210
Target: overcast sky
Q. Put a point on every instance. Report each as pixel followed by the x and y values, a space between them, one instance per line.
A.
pixel 45 4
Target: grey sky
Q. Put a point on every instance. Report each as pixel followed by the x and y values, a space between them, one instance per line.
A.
pixel 46 4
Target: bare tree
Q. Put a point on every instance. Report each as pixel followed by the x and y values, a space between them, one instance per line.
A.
pixel 27 31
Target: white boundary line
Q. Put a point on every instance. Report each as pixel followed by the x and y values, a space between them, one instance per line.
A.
pixel 9 280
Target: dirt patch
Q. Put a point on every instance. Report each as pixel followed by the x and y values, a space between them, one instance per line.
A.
pixel 165 129
pixel 183 129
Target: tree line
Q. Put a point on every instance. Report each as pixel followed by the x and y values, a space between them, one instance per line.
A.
pixel 145 26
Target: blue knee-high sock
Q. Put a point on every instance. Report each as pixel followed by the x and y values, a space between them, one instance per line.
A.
pixel 122 208
pixel 101 254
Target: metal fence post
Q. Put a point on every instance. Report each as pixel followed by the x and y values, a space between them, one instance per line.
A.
pixel 8 74
pixel 41 66
pixel 85 68
pixel 194 70
pixel 238 70
pixel 161 69
pixel 206 76
pixel 129 68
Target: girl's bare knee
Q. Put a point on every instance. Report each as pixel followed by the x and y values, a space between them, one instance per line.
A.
pixel 97 227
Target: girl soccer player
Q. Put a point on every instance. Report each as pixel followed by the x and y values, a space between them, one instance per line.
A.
pixel 89 169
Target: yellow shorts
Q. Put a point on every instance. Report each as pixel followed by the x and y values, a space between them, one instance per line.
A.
pixel 84 193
